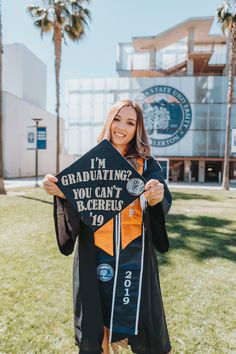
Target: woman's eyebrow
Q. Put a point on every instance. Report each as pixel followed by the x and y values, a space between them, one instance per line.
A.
pixel 135 120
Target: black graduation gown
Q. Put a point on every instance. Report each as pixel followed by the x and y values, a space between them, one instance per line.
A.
pixel 153 337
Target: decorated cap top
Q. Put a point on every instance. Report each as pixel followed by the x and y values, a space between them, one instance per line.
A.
pixel 100 184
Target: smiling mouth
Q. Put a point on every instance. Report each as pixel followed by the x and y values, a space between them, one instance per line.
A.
pixel 119 134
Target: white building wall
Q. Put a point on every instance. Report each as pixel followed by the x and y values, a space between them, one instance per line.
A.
pixel 18 161
pixel 34 79
pixel 12 76
pixel 24 75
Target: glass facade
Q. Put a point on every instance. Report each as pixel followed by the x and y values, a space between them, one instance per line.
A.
pixel 88 102
pixel 129 60
pixel 176 53
pixel 171 55
pixel 196 155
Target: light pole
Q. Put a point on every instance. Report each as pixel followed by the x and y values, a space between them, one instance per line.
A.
pixel 37 120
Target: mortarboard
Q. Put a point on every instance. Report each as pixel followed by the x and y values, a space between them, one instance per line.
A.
pixel 100 184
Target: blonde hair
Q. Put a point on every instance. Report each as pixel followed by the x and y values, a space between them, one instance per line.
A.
pixel 139 145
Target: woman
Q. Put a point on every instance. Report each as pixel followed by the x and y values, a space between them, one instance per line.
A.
pixel 104 311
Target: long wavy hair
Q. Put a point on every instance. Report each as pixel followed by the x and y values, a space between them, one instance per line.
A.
pixel 139 145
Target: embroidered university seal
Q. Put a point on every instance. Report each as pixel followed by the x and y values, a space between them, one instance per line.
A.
pixel 167 115
pixel 135 186
pixel 105 272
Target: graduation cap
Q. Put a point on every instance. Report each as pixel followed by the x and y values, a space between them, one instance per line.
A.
pixel 100 184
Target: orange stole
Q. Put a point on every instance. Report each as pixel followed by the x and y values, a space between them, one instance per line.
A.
pixel 131 225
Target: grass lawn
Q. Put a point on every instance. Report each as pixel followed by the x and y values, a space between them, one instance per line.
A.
pixel 198 275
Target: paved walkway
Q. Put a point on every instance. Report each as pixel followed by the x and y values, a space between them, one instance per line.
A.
pixel 21 182
pixel 198 185
pixel 24 182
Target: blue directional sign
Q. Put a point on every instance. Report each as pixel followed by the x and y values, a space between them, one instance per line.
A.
pixel 42 138
pixel 36 140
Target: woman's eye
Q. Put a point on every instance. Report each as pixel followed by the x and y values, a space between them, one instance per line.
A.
pixel 131 123
pixel 116 119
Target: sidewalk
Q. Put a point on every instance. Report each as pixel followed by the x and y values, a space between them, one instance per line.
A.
pixel 21 182
pixel 199 185
pixel 30 182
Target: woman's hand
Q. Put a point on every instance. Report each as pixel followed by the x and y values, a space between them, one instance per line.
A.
pixel 154 192
pixel 50 186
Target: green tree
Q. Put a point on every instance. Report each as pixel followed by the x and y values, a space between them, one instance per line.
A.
pixel 226 15
pixel 2 189
pixel 61 17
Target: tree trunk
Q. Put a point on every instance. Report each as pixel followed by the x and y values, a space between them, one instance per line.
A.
pixel 57 46
pixel 2 189
pixel 232 60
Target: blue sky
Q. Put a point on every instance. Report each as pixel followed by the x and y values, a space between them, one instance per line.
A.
pixel 113 21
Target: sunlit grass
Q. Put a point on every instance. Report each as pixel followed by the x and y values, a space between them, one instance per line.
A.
pixel 198 275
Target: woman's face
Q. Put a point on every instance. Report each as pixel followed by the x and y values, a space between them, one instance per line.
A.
pixel 123 127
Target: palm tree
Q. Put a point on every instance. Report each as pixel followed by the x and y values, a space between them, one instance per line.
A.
pixel 2 189
pixel 60 17
pixel 226 15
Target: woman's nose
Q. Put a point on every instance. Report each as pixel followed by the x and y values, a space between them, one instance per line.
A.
pixel 121 126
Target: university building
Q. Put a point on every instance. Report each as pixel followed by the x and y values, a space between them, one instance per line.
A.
pixel 179 79
pixel 25 98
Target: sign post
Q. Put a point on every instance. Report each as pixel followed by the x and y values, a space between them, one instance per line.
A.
pixel 37 120
pixel 36 140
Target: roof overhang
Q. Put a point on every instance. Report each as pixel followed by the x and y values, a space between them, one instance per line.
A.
pixel 200 26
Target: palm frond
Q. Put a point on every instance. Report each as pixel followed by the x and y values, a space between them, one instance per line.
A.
pixel 44 24
pixel 36 11
pixel 32 8
pixel 66 12
pixel 80 2
pixel 71 15
pixel 74 34
pixel 86 13
pixel 75 22
pixel 75 6
pixel 78 6
pixel 226 16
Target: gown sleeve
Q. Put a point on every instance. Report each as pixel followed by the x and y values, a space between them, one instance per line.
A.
pixel 67 225
pixel 158 212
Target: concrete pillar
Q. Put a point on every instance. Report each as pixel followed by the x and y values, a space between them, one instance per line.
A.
pixel 190 39
pixel 152 58
pixel 190 67
pixel 190 63
pixel 187 171
pixel 201 171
